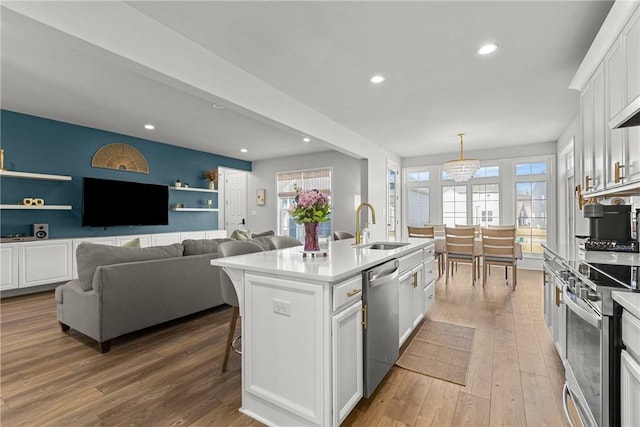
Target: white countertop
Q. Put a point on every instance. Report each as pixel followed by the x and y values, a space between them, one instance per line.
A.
pixel 629 300
pixel 571 253
pixel 342 261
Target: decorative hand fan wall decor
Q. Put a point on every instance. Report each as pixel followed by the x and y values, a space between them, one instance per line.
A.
pixel 120 156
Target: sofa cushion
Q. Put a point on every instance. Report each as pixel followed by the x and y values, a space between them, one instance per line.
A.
pixel 202 246
pixel 89 256
pixel 264 242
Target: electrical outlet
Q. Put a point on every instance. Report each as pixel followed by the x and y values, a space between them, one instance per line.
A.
pixel 282 307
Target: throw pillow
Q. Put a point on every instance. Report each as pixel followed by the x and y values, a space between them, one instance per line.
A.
pixel 90 256
pixel 264 234
pixel 241 234
pixel 203 246
pixel 135 243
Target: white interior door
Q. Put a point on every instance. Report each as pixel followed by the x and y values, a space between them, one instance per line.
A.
pixel 235 201
pixel 393 199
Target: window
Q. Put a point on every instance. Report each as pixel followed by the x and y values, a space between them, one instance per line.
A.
pixel 454 205
pixel 421 176
pixel 539 168
pixel 319 179
pixel 531 215
pixel 486 204
pixel 488 172
pixel 418 206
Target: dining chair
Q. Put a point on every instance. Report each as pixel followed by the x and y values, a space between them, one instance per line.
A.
pixel 499 248
pixel 281 242
pixel 459 245
pixel 229 295
pixel 339 235
pixel 477 234
pixel 428 232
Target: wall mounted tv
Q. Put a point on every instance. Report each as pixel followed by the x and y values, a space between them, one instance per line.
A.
pixel 109 203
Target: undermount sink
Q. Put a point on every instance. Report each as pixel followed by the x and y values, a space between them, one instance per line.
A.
pixel 386 245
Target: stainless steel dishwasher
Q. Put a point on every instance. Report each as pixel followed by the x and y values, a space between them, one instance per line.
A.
pixel 380 321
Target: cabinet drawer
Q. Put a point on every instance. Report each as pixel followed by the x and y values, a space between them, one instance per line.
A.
pixel 347 292
pixel 631 333
pixel 429 271
pixel 429 296
pixel 409 261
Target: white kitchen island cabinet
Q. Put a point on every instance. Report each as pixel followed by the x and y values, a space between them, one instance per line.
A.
pixel 302 336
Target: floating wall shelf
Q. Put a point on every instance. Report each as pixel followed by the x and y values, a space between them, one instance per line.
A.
pixel 202 190
pixel 36 208
pixel 194 209
pixel 29 175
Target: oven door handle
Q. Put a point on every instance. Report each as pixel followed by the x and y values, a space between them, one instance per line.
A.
pixel 590 318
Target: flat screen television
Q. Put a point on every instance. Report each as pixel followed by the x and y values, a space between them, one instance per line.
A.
pixel 109 203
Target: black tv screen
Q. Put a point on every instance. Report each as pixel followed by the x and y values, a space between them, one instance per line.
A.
pixel 108 203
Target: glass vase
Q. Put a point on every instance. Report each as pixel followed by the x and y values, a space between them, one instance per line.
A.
pixel 311 237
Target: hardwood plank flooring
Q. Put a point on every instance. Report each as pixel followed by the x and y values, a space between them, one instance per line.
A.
pixel 169 375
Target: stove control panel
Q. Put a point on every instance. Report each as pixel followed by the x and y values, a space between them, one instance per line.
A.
pixel 608 245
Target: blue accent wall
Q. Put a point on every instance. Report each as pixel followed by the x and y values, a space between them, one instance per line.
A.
pixel 38 145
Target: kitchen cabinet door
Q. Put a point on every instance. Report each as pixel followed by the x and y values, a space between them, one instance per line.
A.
pixel 586 108
pixel 629 389
pixel 600 127
pixel 631 42
pixel 417 298
pixel 405 296
pixel 45 262
pixel 615 77
pixel 347 361
pixel 8 266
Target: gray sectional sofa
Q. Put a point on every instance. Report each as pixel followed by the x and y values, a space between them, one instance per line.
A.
pixel 121 290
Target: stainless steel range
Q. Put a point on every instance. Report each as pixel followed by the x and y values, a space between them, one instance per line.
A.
pixel 592 331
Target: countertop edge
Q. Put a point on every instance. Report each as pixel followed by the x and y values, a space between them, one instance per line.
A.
pixel 630 301
pixel 385 255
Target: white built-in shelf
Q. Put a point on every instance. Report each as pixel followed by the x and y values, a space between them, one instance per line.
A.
pixel 203 190
pixel 36 208
pixel 29 175
pixel 194 209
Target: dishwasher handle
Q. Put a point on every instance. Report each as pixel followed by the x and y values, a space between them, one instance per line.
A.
pixel 385 275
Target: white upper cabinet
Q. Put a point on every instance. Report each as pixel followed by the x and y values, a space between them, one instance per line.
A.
pixel 615 76
pixel 631 41
pixel 609 82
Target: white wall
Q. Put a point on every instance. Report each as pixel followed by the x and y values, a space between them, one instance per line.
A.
pixel 346 182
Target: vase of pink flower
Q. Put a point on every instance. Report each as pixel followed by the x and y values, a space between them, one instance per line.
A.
pixel 310 208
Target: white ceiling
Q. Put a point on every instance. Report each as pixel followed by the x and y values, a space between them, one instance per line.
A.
pixel 322 54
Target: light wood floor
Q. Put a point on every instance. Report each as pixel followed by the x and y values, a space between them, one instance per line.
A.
pixel 170 375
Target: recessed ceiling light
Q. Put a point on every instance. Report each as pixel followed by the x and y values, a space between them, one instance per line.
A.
pixel 217 106
pixel 306 139
pixel 377 79
pixel 243 150
pixel 149 127
pixel 487 49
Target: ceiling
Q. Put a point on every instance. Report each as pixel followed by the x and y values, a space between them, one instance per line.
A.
pixel 322 54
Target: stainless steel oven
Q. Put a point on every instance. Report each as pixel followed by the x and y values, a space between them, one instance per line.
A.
pixel 592 332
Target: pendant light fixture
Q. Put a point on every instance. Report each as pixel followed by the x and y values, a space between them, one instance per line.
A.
pixel 461 170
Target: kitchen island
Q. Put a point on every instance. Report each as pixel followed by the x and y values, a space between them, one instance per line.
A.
pixel 302 352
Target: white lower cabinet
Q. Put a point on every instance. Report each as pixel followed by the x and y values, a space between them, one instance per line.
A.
pixel 8 266
pixel 417 300
pixel 630 370
pixel 45 262
pixel 559 319
pixel 405 298
pixel 629 390
pixel 347 361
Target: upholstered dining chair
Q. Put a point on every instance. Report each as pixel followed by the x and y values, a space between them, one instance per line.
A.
pixel 281 242
pixel 428 232
pixel 459 245
pixel 499 248
pixel 229 295
pixel 339 235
